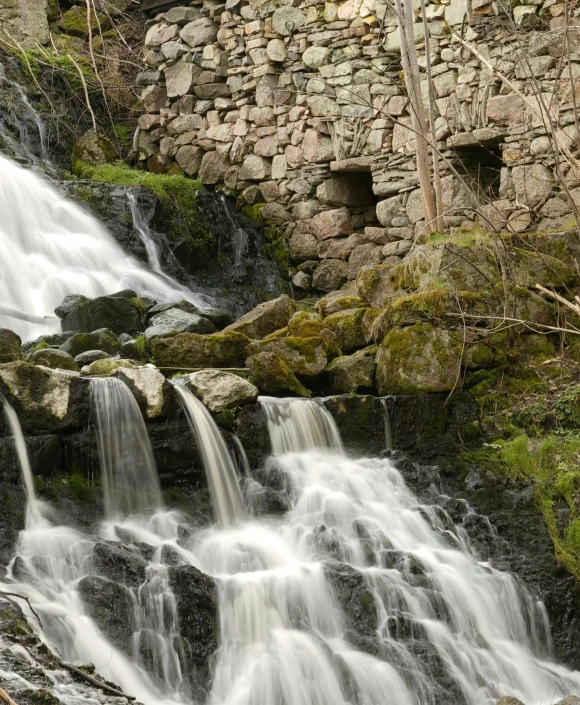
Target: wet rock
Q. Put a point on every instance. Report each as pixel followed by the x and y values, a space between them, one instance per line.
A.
pixel 104 340
pixel 417 359
pixel 119 313
pixel 354 597
pixel 153 392
pixel 272 375
pixel 98 595
pixel 197 609
pixel 53 340
pixel 45 399
pixel 509 700
pixel 10 345
pixel 350 374
pixel 119 563
pixel 265 318
pixel 221 390
pixel 226 349
pixel 54 358
pixel 174 321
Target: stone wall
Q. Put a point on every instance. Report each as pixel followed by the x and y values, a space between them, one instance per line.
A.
pixel 301 107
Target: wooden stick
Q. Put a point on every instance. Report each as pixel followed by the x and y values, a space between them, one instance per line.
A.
pixel 94 681
pixel 561 299
pixel 78 68
pixel 5 698
pixel 22 597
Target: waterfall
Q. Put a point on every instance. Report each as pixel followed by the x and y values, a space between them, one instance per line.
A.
pixel 239 235
pixel 52 247
pixel 34 508
pixel 145 234
pixel 445 625
pixel 300 424
pixel 219 467
pixel 387 421
pixel 129 475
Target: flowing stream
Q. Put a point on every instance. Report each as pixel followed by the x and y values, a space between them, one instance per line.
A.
pixel 358 595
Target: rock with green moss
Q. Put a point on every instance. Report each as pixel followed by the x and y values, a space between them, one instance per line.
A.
pixel 174 321
pixel 265 318
pixel 305 324
pixel 226 349
pixel 270 373
pixel 536 348
pixel 95 149
pixel 347 326
pixel 136 349
pixel 74 21
pixel 103 339
pixel 121 313
pixel 531 268
pixel 375 285
pixel 417 359
pixel 304 356
pixel 10 345
pixel 351 374
pixel 104 368
pixel 45 399
pixel 44 341
pixel 338 301
pixel 488 352
pixel 221 391
pixel 54 358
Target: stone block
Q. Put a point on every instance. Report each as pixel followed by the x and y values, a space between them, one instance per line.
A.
pixel 331 223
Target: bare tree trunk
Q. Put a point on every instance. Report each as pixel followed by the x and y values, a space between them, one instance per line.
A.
pixel 439 224
pixel 412 80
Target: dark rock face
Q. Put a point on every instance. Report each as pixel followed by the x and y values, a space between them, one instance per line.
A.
pixel 99 595
pixel 197 609
pixel 119 563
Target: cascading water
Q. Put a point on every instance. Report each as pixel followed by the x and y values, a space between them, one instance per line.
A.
pixel 239 235
pixel 298 425
pixel 52 247
pixel 359 595
pixel 128 472
pixel 387 421
pixel 218 464
pixel 142 228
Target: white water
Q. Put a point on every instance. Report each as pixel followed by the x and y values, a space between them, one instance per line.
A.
pixel 128 472
pixel 219 467
pixel 51 247
pixel 449 627
pixel 239 235
pixel 142 228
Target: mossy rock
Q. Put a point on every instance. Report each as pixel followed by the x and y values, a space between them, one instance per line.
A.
pixel 417 359
pixel 10 345
pixel 119 313
pixel 74 21
pixel 347 326
pixel 53 358
pixel 265 319
pixel 103 368
pixel 187 350
pixel 338 301
pixel 305 324
pixel 95 149
pixel 531 268
pixel 536 348
pixel 271 374
pixel 351 374
pixel 304 356
pixel 104 340
pixel 375 285
pixel 489 352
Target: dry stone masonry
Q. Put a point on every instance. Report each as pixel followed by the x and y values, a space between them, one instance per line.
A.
pixel 300 106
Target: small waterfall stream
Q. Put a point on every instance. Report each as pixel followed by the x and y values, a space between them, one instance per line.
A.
pixel 128 472
pixel 221 472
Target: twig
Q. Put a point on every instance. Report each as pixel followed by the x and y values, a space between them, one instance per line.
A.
pixel 94 681
pixel 22 597
pixel 86 90
pixel 575 307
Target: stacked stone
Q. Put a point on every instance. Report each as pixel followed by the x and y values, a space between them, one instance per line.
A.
pixel 302 109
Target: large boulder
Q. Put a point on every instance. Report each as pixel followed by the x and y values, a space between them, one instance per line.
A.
pixel 45 399
pixel 10 346
pixel 103 339
pixel 417 359
pixel 376 285
pixel 305 356
pixel 95 149
pixel 119 562
pixel 351 374
pixel 265 318
pixel 330 274
pixel 52 357
pixel 175 320
pixel 220 390
pixel 186 350
pixel 272 375
pixel 348 329
pixel 121 313
pixel 153 392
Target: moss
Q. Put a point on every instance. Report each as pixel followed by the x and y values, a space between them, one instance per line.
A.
pixel 347 326
pixel 272 375
pixel 254 213
pixel 76 485
pixel 142 346
pixel 43 697
pixel 275 247
pixel 103 368
pixel 41 346
pixel 194 350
